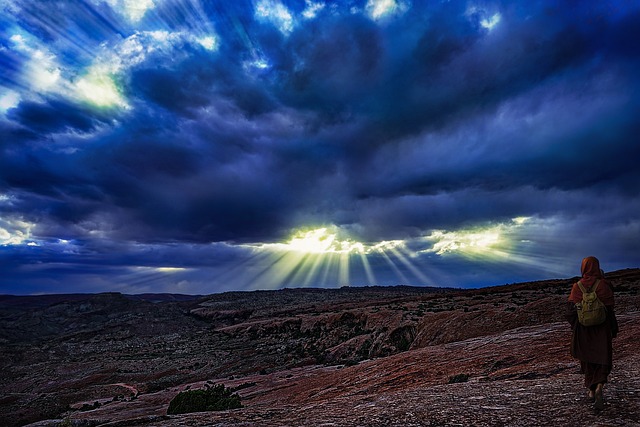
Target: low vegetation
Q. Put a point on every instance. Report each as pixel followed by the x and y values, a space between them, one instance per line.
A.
pixel 216 398
pixel 460 378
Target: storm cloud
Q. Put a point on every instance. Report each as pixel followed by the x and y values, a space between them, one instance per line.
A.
pixel 173 146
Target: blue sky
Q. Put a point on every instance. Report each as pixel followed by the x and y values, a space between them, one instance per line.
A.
pixel 199 146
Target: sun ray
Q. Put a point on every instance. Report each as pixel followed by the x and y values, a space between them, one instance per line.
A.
pixel 416 272
pixel 328 256
pixel 296 271
pixel 270 261
pixel 368 270
pixel 326 271
pixel 344 270
pixel 312 271
pixel 395 268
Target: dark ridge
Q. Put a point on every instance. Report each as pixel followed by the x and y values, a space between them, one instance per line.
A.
pixel 155 298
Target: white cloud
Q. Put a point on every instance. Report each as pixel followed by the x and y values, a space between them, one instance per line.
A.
pixel 133 10
pixel 379 9
pixel 464 241
pixel 99 83
pixel 208 42
pixel 14 232
pixel 319 241
pixel 491 22
pixel 485 18
pixel 136 48
pixel 99 88
pixel 257 64
pixel 8 100
pixel 487 241
pixel 276 13
pixel 42 71
pixel 312 9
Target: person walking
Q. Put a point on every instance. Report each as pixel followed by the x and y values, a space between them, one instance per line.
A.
pixel 592 345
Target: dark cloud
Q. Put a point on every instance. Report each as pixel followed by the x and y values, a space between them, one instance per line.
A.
pixel 54 116
pixel 333 64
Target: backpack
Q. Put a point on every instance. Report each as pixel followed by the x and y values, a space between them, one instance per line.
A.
pixel 591 311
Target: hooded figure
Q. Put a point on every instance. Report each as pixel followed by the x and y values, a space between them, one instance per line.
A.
pixel 592 345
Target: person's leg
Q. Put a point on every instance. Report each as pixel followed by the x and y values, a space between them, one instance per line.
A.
pixel 589 372
pixel 598 399
pixel 595 376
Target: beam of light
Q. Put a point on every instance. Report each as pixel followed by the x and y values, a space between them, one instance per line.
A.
pixel 326 271
pixel 141 279
pixel 327 255
pixel 543 262
pixel 296 269
pixel 322 255
pixel 316 257
pixel 109 63
pixel 42 71
pixel 522 250
pixel 492 244
pixel 276 13
pixel 244 267
pixel 312 272
pixel 307 271
pixel 256 61
pixel 343 274
pixel 396 270
pixel 281 270
pixel 407 263
pixel 368 271
pixel 255 271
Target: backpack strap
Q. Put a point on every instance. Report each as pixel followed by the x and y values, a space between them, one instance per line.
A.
pixel 593 288
pixel 584 291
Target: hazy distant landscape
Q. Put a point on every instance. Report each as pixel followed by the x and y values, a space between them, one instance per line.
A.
pixel 348 356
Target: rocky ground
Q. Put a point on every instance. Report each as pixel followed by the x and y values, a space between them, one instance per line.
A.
pixel 368 357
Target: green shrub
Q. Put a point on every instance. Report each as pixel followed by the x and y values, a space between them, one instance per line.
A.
pixel 216 398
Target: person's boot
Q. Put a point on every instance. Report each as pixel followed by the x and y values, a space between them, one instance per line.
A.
pixel 591 395
pixel 599 402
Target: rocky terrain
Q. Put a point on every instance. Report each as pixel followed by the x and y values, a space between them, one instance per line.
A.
pixel 397 356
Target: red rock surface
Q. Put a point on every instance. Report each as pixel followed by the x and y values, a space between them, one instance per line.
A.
pixel 402 353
